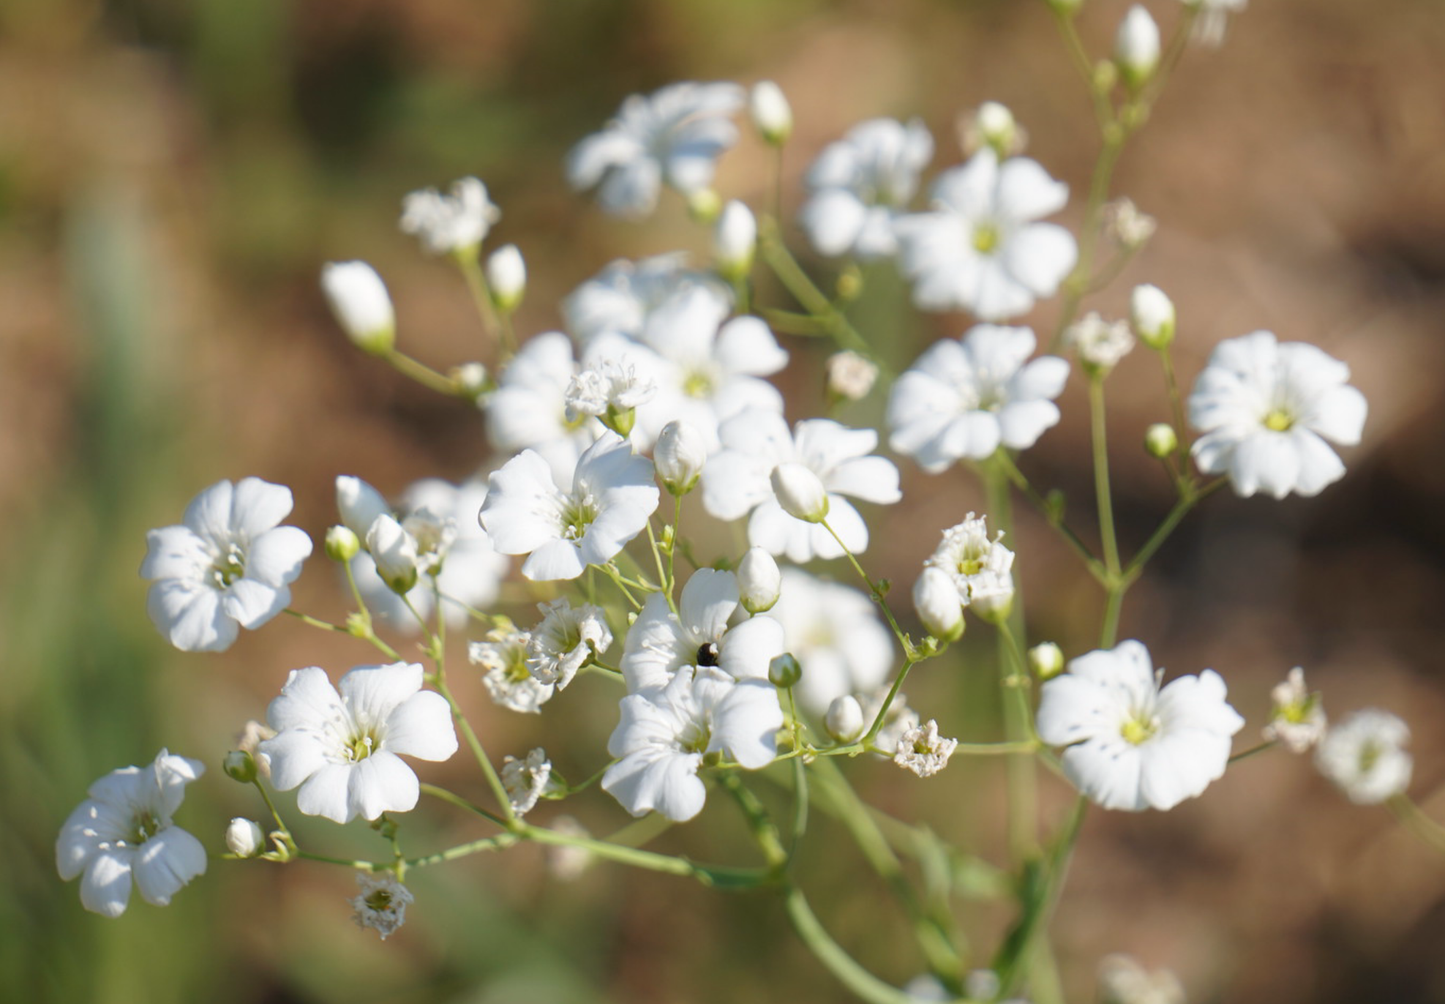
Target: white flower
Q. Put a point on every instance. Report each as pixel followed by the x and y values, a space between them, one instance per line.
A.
pixel 836 634
pixel 674 135
pixel 562 531
pixel 800 492
pixel 526 780
pixel 529 409
pixel 738 481
pixel 608 388
pixel 1136 46
pixel 359 504
pixel 936 600
pixel 1151 313
pixel 360 303
pixel 663 735
pixel 859 184
pixel 124 831
pixel 1129 744
pixel 567 862
pixel 382 903
pixel 566 638
pixel 1298 721
pixel 1266 410
pixel 759 581
pixel 227 566
pixel 963 399
pixel 1046 659
pixel 507 276
pixel 734 238
pixel 849 376
pixel 1212 19
pixel 979 248
pixel 1126 225
pixel 1122 980
pixel 661 643
pixel 1101 344
pixel 679 456
pixel 447 224
pixel 622 297
pixel 770 111
pixel 1365 755
pixel 503 658
pixel 395 553
pixel 844 719
pixel 923 751
pixel 244 837
pixel 993 125
pixel 340 744
pixel 980 568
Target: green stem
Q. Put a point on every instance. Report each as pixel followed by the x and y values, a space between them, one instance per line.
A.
pixel 1252 751
pixel 860 981
pixel 423 374
pixel 650 860
pixel 1050 513
pixel 461 803
pixel 777 257
pixel 469 262
pixel 1032 930
pixel 1414 819
pixel 873 588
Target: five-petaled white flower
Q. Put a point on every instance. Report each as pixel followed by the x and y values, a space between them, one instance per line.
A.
pixel 561 530
pixel 922 750
pixel 502 654
pixel 674 135
pixel 123 831
pixel 1128 744
pixel 661 643
pixel 567 637
pixel 1266 410
pixel 664 734
pixel 446 224
pixel 963 399
pixel 340 744
pixel 527 780
pixel 755 443
pixel 860 182
pixel 979 248
pixel 228 565
pixel 1298 721
pixel 529 409
pixel 835 633
pixel 621 298
pixel 1365 756
pixel 980 567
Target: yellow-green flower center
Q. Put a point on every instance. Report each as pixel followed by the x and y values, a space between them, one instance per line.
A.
pixel 230 566
pixel 985 238
pixel 361 747
pixel 144 826
pixel 1279 420
pixel 1138 728
pixel 697 384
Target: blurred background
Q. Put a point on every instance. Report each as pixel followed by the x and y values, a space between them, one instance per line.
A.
pixel 172 176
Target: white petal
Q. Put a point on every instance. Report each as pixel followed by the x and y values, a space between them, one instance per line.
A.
pixel 833 219
pixel 327 793
pixel 553 561
pixel 748 649
pixel 190 616
pixel 746 345
pixel 1026 192
pixel 174 552
pixel 251 603
pixel 209 513
pixel 422 727
pixel 258 506
pixel 1040 257
pixel 708 600
pixel 746 723
pixel 372 693
pixel 105 887
pixel 275 556
pixel 166 862
pixel 382 783
pixel 1339 416
pixel 872 479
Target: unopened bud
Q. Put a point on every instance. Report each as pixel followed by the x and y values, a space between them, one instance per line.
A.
pixel 1151 313
pixel 679 456
pixel 734 239
pixel 785 671
pixel 507 277
pixel 342 543
pixel 395 553
pixel 800 492
pixel 844 720
pixel 850 376
pixel 244 837
pixel 240 766
pixel 1047 660
pixel 360 303
pixel 704 205
pixel 1136 47
pixel 771 113
pixel 935 597
pixel 994 126
pixel 759 581
pixel 1161 440
pixel 471 379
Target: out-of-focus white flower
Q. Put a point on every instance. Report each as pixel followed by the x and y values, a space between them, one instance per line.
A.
pixel 759 581
pixel 502 654
pixel 979 248
pixel 341 744
pixel 341 544
pixel 1100 343
pixel 124 832
pixel 936 599
pixel 1136 47
pixel 836 634
pixel 1122 980
pixel 980 568
pixel 844 719
pixel 965 398
pixel 1128 744
pixel 526 780
pixel 529 410
pixel 1046 659
pixel 1266 410
pixel 359 504
pixel 740 480
pixel 567 862
pixel 1126 225
pixel 563 531
pixel 1212 19
pixel 450 224
pixel 1365 756
pixel 1298 721
pixel 244 837
pixel 674 136
pixel 927 989
pixel 923 751
pixel 849 376
pixel 226 566
pixel 734 239
pixel 993 125
pixel 660 643
pixel 382 903
pixel 249 741
pixel 1151 312
pixel 860 183
pixel 1160 440
pixel 507 277
pixel 679 456
pixel 770 112
pixel 567 637
pixel 621 298
pixel 664 734
pixel 898 722
pixel 360 303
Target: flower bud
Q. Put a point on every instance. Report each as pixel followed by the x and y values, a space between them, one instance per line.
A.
pixel 994 126
pixel 1136 47
pixel 507 277
pixel 244 837
pixel 935 597
pixel 471 379
pixel 395 553
pixel 785 671
pixel 850 376
pixel 1047 660
pixel 844 720
pixel 759 581
pixel 1152 315
pixel 1161 440
pixel 678 456
pixel 360 303
pixel 239 765
pixel 771 112
pixel 734 238
pixel 704 205
pixel 359 504
pixel 800 492
pixel 342 543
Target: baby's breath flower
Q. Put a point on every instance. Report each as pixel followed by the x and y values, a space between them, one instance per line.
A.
pixel 1136 47
pixel 849 376
pixel 770 112
pixel 502 654
pixel 1100 343
pixel 1365 756
pixel 449 224
pixel 527 780
pixel 923 751
pixel 1126 225
pixel 980 568
pixel 567 862
pixel 844 720
pixel 565 640
pixel 507 277
pixel 382 903
pixel 360 303
pixel 1122 980
pixel 1298 722
pixel 244 837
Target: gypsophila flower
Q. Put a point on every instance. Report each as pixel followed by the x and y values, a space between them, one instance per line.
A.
pixel 566 638
pixel 395 554
pixel 621 298
pixel 1365 756
pixel 1136 47
pixel 849 376
pixel 449 224
pixel 1128 744
pixel 228 565
pixel 980 567
pixel 124 832
pixel 529 409
pixel 859 184
pixel 663 735
pixel 1298 721
pixel 1100 343
pixel 506 277
pixel 527 780
pixel 1212 19
pixel 769 109
pixel 503 658
pixel 1122 980
pixel 607 503
pixel 992 125
pixel 963 399
pixel 936 601
pixel 244 837
pixel 844 719
pixel 382 903
pixel 340 744
pixel 1267 409
pixel 672 136
pixel 835 632
pixel 567 862
pixel 739 481
pixel 252 735
pixel 608 388
pixel 923 751
pixel 360 304
pixel 980 248
pixel 1126 225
